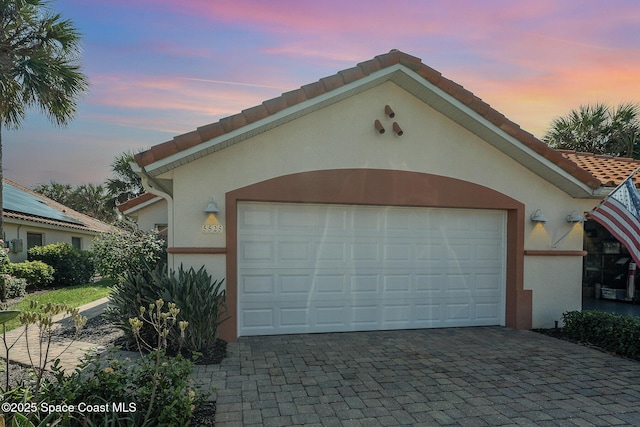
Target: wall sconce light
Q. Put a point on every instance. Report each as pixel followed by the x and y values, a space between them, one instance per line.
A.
pixel 574 216
pixel 379 126
pixel 389 112
pixel 211 208
pixel 211 224
pixel 539 217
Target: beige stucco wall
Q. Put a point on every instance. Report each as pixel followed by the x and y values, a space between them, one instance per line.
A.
pixel 148 217
pixel 343 136
pixel 50 235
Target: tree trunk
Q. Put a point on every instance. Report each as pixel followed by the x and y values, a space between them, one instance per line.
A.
pixel 3 282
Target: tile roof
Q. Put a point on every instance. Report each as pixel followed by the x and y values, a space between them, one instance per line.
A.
pixel 351 75
pixel 136 201
pixel 610 170
pixel 81 221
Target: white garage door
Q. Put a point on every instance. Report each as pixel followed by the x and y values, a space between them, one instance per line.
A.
pixel 327 268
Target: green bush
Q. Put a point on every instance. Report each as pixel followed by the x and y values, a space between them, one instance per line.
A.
pixel 156 389
pixel 120 251
pixel 608 331
pixel 152 390
pixel 36 273
pixel 71 266
pixel 200 299
pixel 16 287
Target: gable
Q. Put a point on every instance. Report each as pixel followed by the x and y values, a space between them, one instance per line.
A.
pixel 406 72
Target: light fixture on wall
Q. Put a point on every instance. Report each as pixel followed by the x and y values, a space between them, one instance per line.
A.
pixel 538 217
pixel 574 216
pixel 211 224
pixel 211 208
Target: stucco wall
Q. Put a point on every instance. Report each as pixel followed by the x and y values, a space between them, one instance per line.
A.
pixel 343 136
pixel 149 216
pixel 11 231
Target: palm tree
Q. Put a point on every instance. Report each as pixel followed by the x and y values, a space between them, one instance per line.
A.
pixel 39 65
pixel 92 200
pixel 61 193
pixel 125 183
pixel 598 129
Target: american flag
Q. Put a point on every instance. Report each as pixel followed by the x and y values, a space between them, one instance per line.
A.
pixel 619 213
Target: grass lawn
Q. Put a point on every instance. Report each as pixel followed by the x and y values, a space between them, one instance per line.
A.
pixel 73 296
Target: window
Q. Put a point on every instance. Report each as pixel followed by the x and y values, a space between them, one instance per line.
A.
pixel 34 239
pixel 76 242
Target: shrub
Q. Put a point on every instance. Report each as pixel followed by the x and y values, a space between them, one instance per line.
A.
pixel 201 302
pixel 16 287
pixel 152 390
pixel 137 289
pixel 120 251
pixel 71 266
pixel 36 273
pixel 608 331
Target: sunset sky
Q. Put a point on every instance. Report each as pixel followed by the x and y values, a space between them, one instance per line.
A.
pixel 159 68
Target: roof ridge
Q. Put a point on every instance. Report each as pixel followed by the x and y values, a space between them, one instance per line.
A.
pixel 344 77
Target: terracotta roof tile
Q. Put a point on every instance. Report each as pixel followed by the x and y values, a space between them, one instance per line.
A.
pixel 211 131
pixel 275 105
pixel 431 75
pixel 254 114
pixel 234 122
pixel 370 66
pixel 353 74
pixel 610 170
pixel 313 89
pixel 187 140
pixel 136 201
pixel 332 82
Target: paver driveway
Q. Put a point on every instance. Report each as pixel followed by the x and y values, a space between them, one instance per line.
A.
pixel 463 376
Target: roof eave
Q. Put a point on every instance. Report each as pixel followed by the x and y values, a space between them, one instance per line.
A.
pixel 499 132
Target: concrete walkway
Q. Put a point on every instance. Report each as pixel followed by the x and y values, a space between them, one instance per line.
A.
pixel 68 352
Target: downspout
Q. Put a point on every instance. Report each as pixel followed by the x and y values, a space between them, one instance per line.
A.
pixel 156 188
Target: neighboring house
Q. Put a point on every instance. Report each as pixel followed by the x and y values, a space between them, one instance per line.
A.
pixel 148 211
pixel 31 219
pixel 382 197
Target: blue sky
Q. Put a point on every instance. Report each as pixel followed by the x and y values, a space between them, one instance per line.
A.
pixel 159 68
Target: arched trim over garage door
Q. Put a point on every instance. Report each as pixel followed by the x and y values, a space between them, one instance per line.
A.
pixel 384 188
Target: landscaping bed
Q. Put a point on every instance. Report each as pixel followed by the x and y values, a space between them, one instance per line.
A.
pixel 100 331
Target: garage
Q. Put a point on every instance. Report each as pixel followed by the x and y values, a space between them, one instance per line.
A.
pixel 305 268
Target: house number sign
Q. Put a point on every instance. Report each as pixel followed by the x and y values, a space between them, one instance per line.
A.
pixel 212 228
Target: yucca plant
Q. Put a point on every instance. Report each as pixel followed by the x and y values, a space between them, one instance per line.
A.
pixel 202 303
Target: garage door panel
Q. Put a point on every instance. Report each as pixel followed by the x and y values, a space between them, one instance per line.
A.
pixel 322 268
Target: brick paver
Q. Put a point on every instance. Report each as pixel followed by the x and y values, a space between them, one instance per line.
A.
pixel 463 376
pixel 460 376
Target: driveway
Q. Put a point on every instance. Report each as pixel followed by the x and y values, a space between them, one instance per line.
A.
pixel 463 376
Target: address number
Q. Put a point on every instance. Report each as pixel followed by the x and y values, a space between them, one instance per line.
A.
pixel 210 228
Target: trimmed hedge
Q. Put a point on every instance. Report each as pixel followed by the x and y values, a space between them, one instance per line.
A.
pixel 608 331
pixel 71 266
pixel 36 273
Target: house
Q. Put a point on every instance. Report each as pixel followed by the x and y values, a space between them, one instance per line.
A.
pixel 31 219
pixel 148 211
pixel 385 196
